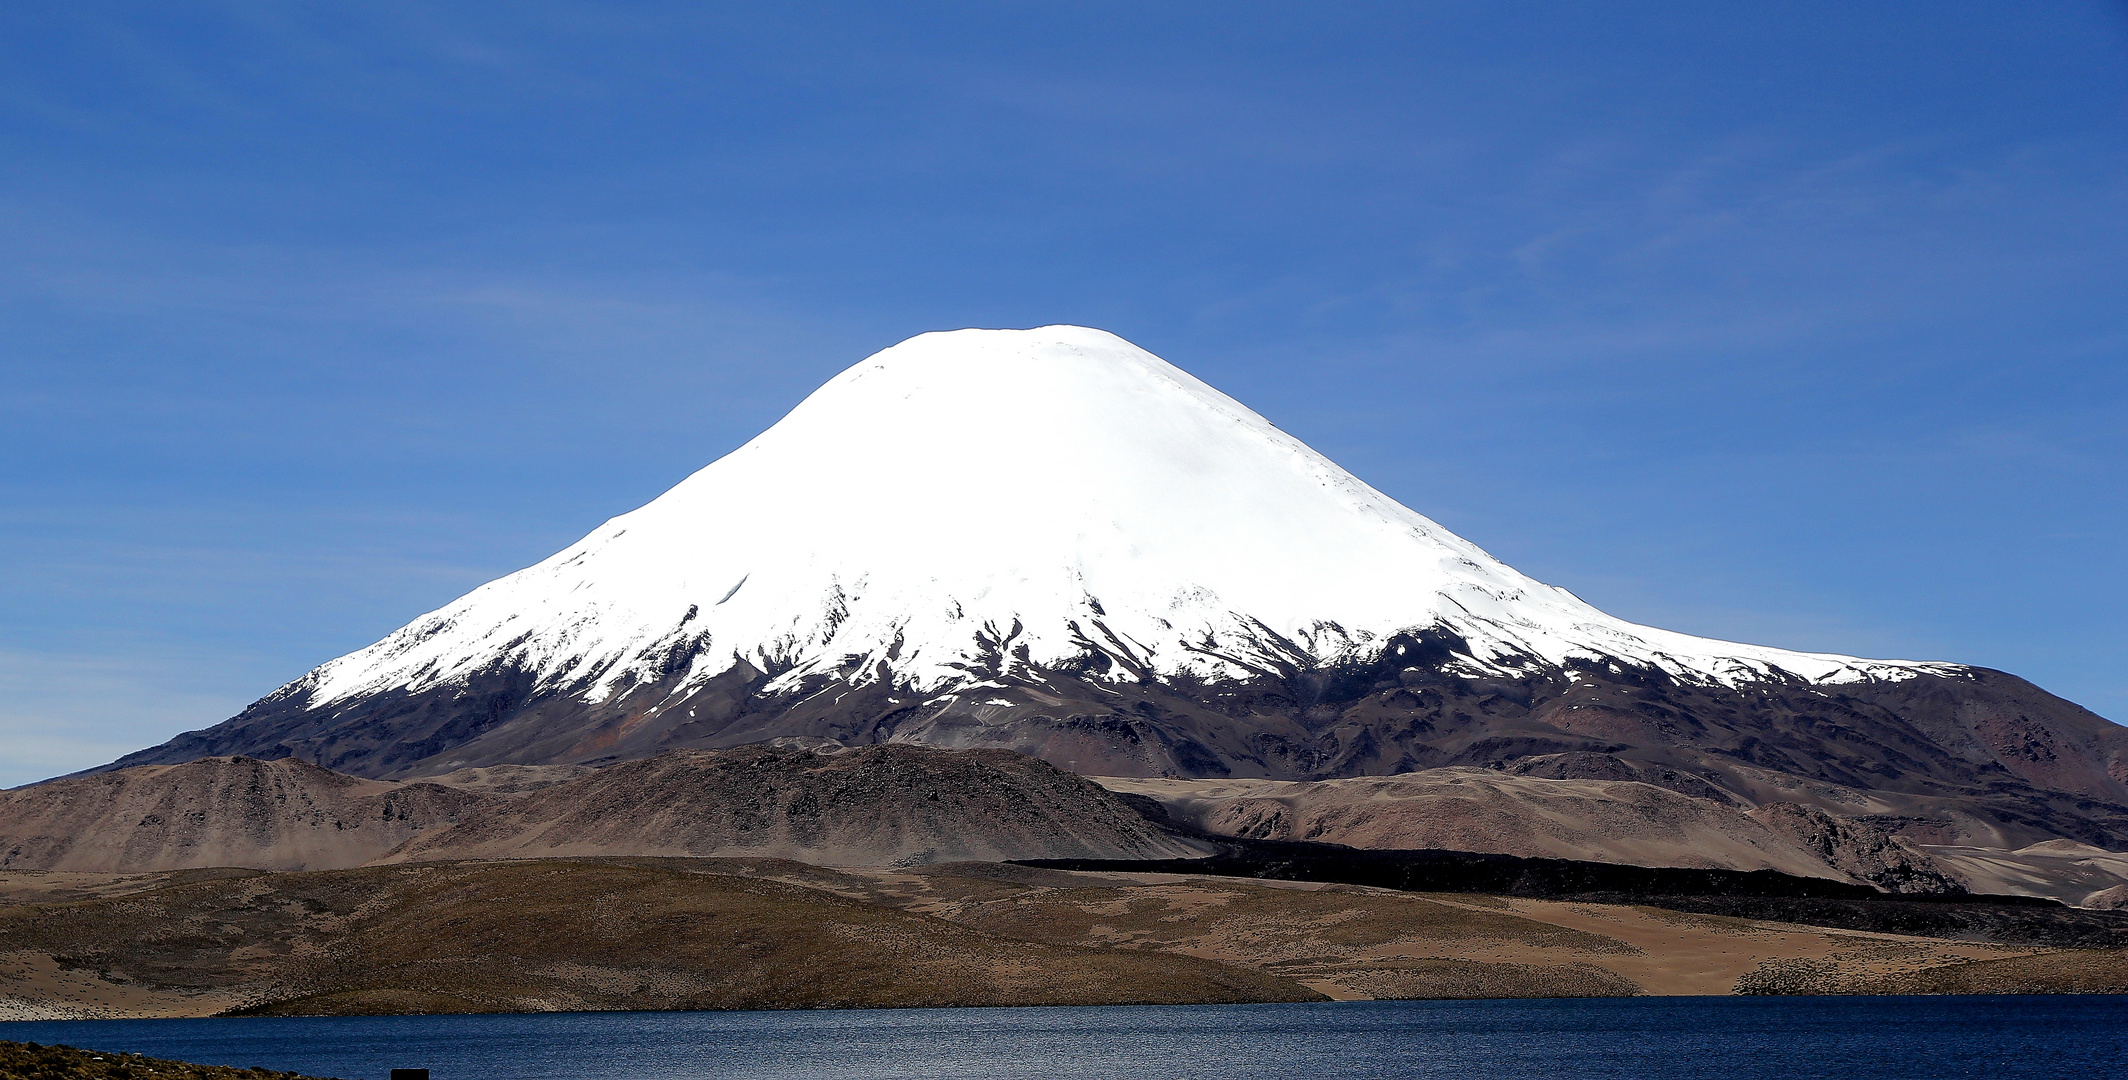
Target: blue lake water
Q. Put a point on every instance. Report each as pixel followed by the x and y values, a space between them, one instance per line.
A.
pixel 1732 1038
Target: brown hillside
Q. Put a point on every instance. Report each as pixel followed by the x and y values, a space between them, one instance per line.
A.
pixel 228 811
pixel 867 806
pixel 872 806
pixel 1619 821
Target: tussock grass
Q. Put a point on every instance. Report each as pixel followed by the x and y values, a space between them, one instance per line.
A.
pixel 29 1061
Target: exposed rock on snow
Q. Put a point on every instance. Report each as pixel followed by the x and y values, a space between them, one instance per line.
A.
pixel 999 499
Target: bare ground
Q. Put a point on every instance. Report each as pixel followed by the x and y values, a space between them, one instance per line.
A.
pixel 1354 942
pixel 690 933
pixel 541 935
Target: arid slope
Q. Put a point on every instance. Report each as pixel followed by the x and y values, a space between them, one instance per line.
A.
pixel 865 806
pixel 232 811
pixel 1620 821
pixel 869 806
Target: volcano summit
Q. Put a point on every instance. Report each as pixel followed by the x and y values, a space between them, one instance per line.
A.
pixel 1055 542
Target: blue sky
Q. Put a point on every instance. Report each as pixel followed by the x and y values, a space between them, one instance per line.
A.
pixel 1802 324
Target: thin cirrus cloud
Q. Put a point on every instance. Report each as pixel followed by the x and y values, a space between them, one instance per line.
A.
pixel 61 712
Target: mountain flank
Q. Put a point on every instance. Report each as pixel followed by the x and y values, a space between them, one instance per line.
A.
pixel 872 805
pixel 862 806
pixel 910 805
pixel 234 811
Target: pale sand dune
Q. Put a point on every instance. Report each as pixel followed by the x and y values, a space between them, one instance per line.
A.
pixel 1484 810
pixel 1464 809
pixel 2065 870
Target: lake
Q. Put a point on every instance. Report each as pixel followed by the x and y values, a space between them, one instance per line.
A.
pixel 1732 1038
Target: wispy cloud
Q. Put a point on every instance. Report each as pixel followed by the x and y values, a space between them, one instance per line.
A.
pixel 62 712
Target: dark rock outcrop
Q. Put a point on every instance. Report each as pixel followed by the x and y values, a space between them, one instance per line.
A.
pixel 1859 849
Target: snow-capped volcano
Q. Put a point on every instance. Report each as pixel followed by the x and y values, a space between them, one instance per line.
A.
pixel 1058 495
pixel 1054 542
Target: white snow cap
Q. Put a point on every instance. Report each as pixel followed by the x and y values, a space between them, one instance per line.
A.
pixel 1047 487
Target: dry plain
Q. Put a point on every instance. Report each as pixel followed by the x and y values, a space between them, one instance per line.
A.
pixel 687 933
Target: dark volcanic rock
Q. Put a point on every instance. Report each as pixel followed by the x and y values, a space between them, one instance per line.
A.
pixel 1860 849
pixel 1756 894
pixel 1980 756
